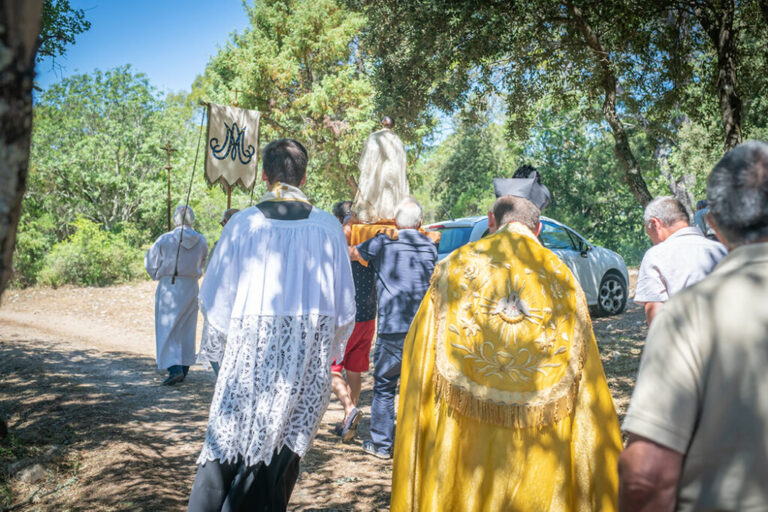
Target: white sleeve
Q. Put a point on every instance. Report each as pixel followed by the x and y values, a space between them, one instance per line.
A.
pixel 153 260
pixel 344 294
pixel 219 287
pixel 650 282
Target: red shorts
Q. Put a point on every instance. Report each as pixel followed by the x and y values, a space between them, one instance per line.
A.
pixel 357 353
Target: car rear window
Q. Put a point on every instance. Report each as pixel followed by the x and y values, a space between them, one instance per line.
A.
pixel 453 238
pixel 555 237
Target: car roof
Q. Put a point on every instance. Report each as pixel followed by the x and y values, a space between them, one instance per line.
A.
pixel 468 222
pixel 471 221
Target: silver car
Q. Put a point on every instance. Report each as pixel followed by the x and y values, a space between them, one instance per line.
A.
pixel 601 272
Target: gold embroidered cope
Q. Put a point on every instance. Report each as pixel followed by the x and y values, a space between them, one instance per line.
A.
pixel 504 404
pixel 506 354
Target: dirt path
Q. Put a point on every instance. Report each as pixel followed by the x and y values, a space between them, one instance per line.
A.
pixel 79 389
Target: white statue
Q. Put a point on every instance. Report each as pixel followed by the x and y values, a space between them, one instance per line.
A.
pixel 382 176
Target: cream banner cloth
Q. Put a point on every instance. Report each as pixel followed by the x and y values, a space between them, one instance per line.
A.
pixel 232 146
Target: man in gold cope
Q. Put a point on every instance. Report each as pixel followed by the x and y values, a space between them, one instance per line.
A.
pixel 504 404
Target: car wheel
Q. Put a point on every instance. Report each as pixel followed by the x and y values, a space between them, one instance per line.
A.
pixel 612 296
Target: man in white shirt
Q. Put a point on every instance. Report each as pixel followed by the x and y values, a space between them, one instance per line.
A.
pixel 681 255
pixel 279 304
pixel 697 424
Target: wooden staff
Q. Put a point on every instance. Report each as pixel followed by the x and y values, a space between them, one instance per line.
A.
pixel 227 186
pixel 168 150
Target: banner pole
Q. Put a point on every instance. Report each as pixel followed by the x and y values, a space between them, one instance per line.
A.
pixel 168 150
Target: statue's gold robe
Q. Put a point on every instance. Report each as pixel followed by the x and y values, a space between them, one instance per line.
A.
pixel 504 404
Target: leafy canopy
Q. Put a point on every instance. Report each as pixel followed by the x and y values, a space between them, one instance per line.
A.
pixel 299 64
pixel 59 26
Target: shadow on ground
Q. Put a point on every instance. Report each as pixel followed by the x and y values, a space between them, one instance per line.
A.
pixel 110 438
pixel 621 339
pixel 61 404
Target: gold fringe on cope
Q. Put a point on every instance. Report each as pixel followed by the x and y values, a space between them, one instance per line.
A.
pixel 537 415
pixel 544 408
pixel 536 408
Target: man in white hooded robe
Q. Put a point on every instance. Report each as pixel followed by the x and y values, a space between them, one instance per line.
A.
pixel 279 303
pixel 176 299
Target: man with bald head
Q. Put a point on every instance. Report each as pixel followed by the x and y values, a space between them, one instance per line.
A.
pixel 503 401
pixel 508 209
pixel 698 419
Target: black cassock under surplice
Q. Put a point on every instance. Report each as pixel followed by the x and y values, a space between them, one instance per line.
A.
pixel 235 487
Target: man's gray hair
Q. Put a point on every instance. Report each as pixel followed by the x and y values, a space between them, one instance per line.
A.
pixel 408 214
pixel 668 209
pixel 737 193
pixel 183 215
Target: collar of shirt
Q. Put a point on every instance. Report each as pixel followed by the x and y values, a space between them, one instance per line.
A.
pixel 284 192
pixel 690 230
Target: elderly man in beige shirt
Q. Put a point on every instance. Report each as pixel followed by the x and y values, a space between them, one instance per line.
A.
pixel 698 420
pixel 681 255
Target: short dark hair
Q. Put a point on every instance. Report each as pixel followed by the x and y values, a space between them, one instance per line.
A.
pixel 342 209
pixel 737 193
pixel 525 171
pixel 508 209
pixel 388 121
pixel 285 160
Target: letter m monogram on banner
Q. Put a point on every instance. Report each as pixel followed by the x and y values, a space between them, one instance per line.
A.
pixel 232 146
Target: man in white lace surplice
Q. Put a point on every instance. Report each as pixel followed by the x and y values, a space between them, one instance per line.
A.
pixel 279 304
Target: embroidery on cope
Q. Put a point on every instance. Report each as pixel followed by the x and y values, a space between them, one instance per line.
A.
pixel 510 339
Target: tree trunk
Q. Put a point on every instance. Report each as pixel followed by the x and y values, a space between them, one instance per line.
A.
pixel 764 10
pixel 19 30
pixel 621 148
pixel 718 24
pixel 679 187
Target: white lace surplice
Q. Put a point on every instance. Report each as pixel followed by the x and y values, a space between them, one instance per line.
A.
pixel 278 301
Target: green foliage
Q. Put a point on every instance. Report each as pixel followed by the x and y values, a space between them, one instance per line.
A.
pixel 325 71
pixel 465 183
pixel 656 62
pixel 59 26
pixel 456 179
pixel 35 238
pixel 576 162
pixel 96 146
pixel 299 64
pixel 584 181
pixel 96 154
pixel 92 257
pixel 698 149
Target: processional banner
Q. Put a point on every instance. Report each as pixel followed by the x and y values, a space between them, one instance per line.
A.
pixel 232 146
